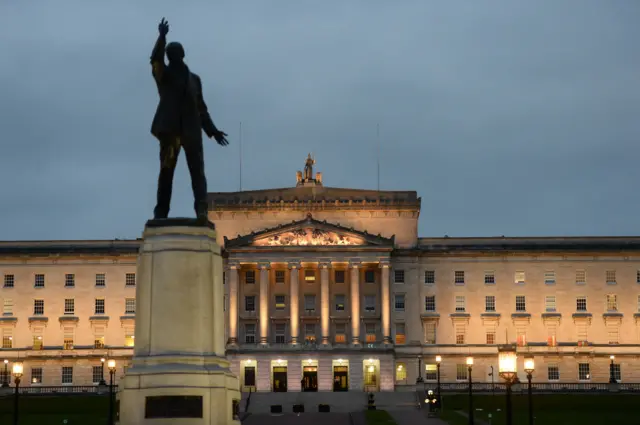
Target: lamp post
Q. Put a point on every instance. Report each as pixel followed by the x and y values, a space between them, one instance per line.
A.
pixel 419 378
pixel 5 381
pixel 529 367
pixel 438 361
pixel 17 374
pixel 507 368
pixel 612 379
pixel 102 381
pixel 470 366
pixel 111 364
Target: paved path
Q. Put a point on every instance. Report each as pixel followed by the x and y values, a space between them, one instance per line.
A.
pixel 295 419
pixel 413 417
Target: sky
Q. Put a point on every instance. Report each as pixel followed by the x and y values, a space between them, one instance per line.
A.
pixel 512 118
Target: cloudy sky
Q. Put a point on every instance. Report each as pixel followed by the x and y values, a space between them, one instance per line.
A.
pixel 508 117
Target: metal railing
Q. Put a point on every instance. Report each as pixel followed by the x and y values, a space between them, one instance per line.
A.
pixel 542 387
pixel 59 390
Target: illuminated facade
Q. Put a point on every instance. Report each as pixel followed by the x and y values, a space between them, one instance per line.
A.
pixel 331 289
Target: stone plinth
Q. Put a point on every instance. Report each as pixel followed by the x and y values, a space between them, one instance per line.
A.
pixel 179 373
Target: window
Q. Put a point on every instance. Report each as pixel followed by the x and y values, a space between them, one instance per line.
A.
pixel 401 371
pixel 610 276
pixel 99 306
pixel 398 276
pixel 338 276
pixel 430 332
pixel 490 303
pixel 310 332
pixel 521 338
pixel 249 376
pixel 280 333
pixel 617 373
pixel 69 280
pixel 612 303
pixel 68 338
pixel 521 303
pixel 130 279
pixel 370 332
pixel 38 281
pixel 430 303
pixel 279 276
pixel 340 302
pixel 129 306
pixel 38 307
pixel 38 342
pixel 581 303
pixel 96 374
pixel 101 280
pixel 250 333
pixel 458 277
pixel 550 277
pixel 491 337
pixel 613 332
pixel 370 303
pixel 310 303
pixel 98 338
pixel 129 337
pixel 637 276
pixel 551 341
pixel 280 304
pixel 7 308
pixel 9 280
pixel 400 333
pixel 250 303
pixel 250 277
pixel 553 372
pixel 550 304
pixel 430 372
pixel 69 306
pixel 310 276
pixel 399 302
pixel 36 375
pixel 67 375
pixel 581 277
pixel 460 304
pixel 341 333
pixel 7 338
pixel 370 378
pixel 519 278
pixel 583 372
pixel 429 277
pixel 459 337
pixel 369 276
pixel 489 278
pixel 638 303
pixel 461 372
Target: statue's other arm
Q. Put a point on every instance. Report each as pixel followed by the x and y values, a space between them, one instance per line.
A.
pixel 157 57
pixel 207 123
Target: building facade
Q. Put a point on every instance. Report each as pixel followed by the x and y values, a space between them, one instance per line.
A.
pixel 330 289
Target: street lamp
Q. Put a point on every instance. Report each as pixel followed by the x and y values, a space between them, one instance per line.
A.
pixel 102 381
pixel 529 367
pixel 419 378
pixel 111 364
pixel 5 381
pixel 438 361
pixel 17 374
pixel 470 366
pixel 507 368
pixel 612 379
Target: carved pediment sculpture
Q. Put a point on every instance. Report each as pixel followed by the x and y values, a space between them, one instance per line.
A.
pixel 308 237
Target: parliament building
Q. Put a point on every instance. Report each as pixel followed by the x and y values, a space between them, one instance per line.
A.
pixel 330 289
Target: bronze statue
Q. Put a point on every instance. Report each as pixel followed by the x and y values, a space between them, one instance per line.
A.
pixel 308 168
pixel 178 123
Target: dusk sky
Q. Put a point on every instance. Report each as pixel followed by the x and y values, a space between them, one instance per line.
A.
pixel 508 118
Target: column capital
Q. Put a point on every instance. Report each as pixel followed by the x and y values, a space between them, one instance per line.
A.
pixel 232 265
pixel 355 263
pixel 385 263
pixel 324 264
pixel 293 264
pixel 264 264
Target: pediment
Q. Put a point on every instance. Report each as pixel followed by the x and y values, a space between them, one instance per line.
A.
pixel 308 233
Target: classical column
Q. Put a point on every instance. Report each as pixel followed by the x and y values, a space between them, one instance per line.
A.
pixel 355 302
pixel 324 302
pixel 294 301
pixel 264 302
pixel 386 305
pixel 233 302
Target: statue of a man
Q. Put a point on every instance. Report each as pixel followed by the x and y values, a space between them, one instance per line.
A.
pixel 308 168
pixel 178 123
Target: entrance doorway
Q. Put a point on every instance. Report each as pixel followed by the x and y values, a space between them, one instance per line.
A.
pixel 341 378
pixel 310 378
pixel 279 379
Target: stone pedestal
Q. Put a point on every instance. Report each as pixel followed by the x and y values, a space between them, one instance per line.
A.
pixel 179 373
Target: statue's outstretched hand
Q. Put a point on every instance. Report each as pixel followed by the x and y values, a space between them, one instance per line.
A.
pixel 221 138
pixel 163 27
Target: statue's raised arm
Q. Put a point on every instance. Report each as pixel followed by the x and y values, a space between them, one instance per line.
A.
pixel 157 55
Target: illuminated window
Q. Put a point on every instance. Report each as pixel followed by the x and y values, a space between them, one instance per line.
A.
pixel 430 372
pixel 401 372
pixel 101 280
pixel 7 338
pixel 39 281
pixel 279 276
pixel 489 277
pixel 584 372
pixel 610 276
pixel 129 306
pixel 550 277
pixel 550 304
pixel 400 333
pixel 69 306
pixel 38 342
pixel 581 303
pixel 280 304
pixel 7 308
pixel 490 303
pixel 98 338
pixel 370 378
pixel 581 277
pixel 36 375
pixel 519 278
pixel 68 338
pixel 340 302
pixel 69 280
pixel 461 372
pixel 310 276
pixel 430 332
pixel 430 303
pixel 310 332
pixel 429 277
pixel 521 303
pixel 612 303
pixel 341 334
pixel 370 332
pixel 521 339
pixel 129 337
pixel 9 280
pixel 458 277
pixel 67 375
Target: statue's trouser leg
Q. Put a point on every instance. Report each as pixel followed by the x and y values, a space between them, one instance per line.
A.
pixel 169 151
pixel 195 162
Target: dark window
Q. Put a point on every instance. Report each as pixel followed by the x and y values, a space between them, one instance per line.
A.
pixel 279 276
pixel 249 376
pixel 339 276
pixel 369 276
pixel 250 303
pixel 250 277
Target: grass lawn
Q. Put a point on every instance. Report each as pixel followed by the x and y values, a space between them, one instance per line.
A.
pixel 44 410
pixel 549 409
pixel 379 417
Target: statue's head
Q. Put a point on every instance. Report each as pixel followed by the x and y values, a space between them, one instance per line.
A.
pixel 175 52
